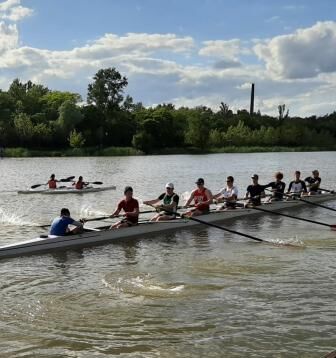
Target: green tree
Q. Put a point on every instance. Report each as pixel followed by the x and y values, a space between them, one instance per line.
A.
pixel 106 92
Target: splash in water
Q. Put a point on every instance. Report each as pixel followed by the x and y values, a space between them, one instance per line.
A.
pixel 11 219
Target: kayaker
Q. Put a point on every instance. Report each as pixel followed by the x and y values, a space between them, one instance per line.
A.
pixel 52 182
pixel 278 187
pixel 255 191
pixel 169 201
pixel 202 198
pixel 227 195
pixel 130 206
pixel 80 184
pixel 60 225
pixel 297 187
pixel 314 182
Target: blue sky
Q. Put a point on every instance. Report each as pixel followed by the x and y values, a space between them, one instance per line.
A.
pixel 179 51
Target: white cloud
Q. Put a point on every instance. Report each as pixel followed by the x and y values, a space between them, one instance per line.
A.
pixel 9 37
pixel 303 54
pixel 13 11
pixel 169 68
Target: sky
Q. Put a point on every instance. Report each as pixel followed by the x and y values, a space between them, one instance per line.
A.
pixel 186 52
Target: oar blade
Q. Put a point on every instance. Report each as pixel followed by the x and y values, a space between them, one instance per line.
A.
pixel 67 179
pixel 97 182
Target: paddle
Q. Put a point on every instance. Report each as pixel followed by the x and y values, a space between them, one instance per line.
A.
pixel 61 180
pixel 332 227
pixel 306 201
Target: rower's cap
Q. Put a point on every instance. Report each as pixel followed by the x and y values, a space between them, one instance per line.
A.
pixel 200 181
pixel 170 185
pixel 255 176
pixel 128 188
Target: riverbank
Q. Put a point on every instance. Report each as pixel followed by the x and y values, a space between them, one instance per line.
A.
pixel 129 151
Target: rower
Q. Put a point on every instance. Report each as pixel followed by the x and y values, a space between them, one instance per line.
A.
pixel 227 195
pixel 52 182
pixel 314 182
pixel 60 225
pixel 169 202
pixel 278 187
pixel 255 191
pixel 297 187
pixel 80 184
pixel 202 198
pixel 131 208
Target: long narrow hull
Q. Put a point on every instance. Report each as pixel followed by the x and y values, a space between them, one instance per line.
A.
pixel 96 236
pixel 67 190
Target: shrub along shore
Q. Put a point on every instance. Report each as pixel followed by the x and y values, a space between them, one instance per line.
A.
pixel 129 151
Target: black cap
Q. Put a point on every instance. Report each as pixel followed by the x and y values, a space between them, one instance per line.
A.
pixel 200 181
pixel 128 188
pixel 255 176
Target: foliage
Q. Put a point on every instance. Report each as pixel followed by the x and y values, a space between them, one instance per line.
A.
pixel 35 118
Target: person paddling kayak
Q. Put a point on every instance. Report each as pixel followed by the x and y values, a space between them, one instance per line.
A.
pixel 52 182
pixel 80 184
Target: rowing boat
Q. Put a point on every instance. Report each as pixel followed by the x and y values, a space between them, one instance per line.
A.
pixel 67 190
pixel 95 236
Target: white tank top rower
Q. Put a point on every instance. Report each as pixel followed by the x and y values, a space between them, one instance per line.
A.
pixel 227 195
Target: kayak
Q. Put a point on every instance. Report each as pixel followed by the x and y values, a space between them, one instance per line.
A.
pixel 67 190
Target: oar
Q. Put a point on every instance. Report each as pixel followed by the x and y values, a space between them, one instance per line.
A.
pixel 306 201
pixel 61 180
pixel 109 217
pixel 217 226
pixel 327 190
pixel 332 227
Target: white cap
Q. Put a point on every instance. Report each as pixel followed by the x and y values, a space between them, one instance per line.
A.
pixel 170 185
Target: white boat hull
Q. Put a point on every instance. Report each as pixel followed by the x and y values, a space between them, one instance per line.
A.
pixel 96 236
pixel 67 190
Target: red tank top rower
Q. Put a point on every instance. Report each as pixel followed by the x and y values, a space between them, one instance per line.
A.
pixel 200 197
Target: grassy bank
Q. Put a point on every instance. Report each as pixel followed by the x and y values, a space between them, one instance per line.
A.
pixel 128 151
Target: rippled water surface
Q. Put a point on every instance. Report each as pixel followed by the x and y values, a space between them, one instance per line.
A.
pixel 190 293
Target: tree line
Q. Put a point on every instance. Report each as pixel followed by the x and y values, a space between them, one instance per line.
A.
pixel 33 116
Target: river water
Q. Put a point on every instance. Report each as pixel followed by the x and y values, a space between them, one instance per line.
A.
pixel 192 293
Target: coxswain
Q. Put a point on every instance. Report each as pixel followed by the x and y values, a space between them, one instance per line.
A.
pixel 314 182
pixel 168 204
pixel 255 191
pixel 60 225
pixel 130 206
pixel 202 198
pixel 227 195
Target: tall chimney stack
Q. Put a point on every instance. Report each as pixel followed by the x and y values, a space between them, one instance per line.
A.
pixel 252 100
